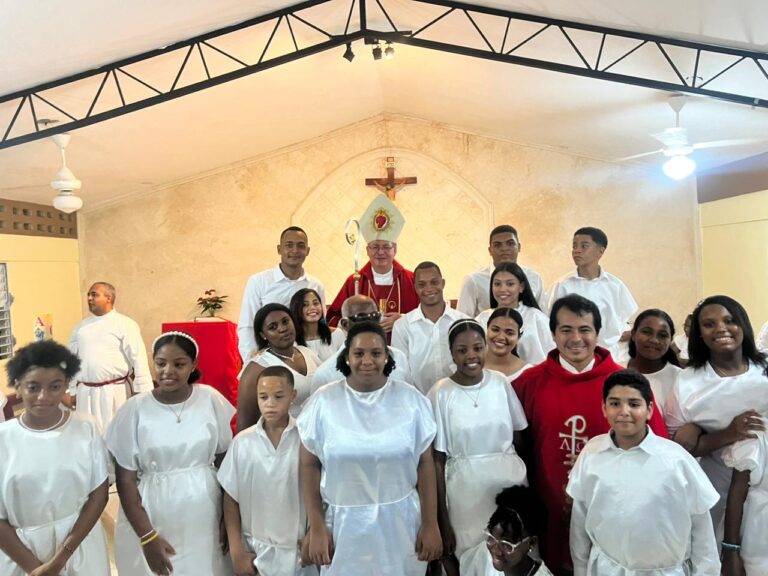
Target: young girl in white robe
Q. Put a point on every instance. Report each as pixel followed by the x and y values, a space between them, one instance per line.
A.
pixel 53 473
pixel 723 391
pixel 312 330
pixel 510 289
pixel 505 326
pixel 166 444
pixel 477 415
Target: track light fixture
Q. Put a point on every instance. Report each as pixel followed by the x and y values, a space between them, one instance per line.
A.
pixel 389 52
pixel 377 51
pixel 348 54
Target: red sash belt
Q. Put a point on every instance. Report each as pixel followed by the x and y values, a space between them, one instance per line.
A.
pixel 127 378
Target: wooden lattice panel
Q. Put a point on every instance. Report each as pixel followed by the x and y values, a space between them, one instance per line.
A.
pixel 28 219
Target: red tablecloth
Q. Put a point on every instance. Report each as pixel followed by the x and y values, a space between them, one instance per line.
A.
pixel 219 360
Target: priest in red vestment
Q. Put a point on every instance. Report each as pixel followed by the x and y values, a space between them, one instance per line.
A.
pixel 563 402
pixel 383 279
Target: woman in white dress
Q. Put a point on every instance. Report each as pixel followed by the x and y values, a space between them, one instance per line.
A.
pixel 276 338
pixel 718 400
pixel 510 289
pixel 366 459
pixel 478 416
pixel 53 473
pixel 312 330
pixel 650 352
pixel 511 537
pixel 505 326
pixel 166 444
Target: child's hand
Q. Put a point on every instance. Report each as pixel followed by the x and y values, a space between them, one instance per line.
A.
pixel 745 425
pixel 429 545
pixel 449 539
pixel 320 546
pixel 242 561
pixel 157 554
pixel 732 563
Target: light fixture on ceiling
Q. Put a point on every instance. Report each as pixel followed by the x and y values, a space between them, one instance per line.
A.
pixel 65 182
pixel 348 54
pixel 377 51
pixel 679 167
pixel 389 52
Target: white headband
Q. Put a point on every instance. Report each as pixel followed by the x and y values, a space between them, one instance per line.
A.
pixel 180 334
pixel 462 322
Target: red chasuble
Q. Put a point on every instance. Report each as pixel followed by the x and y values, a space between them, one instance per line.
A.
pixel 400 297
pixel 564 410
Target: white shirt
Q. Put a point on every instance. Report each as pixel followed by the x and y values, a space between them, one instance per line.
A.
pixel 327 372
pixel 762 339
pixel 301 382
pixel 646 508
pixel 662 383
pixel 476 291
pixel 425 343
pixel 681 341
pixel 536 341
pixel 613 300
pixel 572 369
pixel 263 288
pixel 264 481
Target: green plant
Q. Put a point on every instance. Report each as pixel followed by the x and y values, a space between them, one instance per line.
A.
pixel 211 302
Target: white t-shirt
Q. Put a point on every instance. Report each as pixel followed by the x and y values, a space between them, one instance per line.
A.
pixel 425 343
pixel 475 293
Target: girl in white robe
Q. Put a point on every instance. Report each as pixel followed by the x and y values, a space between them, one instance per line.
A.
pixel 477 415
pixel 510 289
pixel 723 392
pixel 312 330
pixel 53 473
pixel 275 336
pixel 165 444
pixel 651 354
pixel 504 328
pixel 367 460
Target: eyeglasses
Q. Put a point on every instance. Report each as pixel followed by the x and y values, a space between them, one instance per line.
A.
pixel 380 247
pixel 506 547
pixel 374 316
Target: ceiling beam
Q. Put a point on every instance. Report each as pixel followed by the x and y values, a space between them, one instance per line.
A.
pixel 680 69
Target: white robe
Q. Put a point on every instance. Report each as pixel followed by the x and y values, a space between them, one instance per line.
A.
pixel 264 481
pixel 641 511
pixel 662 383
pixel 45 479
pixel 177 481
pixel 752 455
pixel 302 383
pixel 369 445
pixel 109 347
pixel 536 341
pixel 322 350
pixel 477 441
pixel 478 562
pixel 711 401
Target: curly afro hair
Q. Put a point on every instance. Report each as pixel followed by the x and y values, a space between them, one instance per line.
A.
pixel 44 354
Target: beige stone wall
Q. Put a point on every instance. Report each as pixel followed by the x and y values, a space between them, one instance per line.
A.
pixel 162 250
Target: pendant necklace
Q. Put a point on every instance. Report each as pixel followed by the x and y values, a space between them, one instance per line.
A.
pixel 475 399
pixel 63 415
pixel 180 412
pixel 283 356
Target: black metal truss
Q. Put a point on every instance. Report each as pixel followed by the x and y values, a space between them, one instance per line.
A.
pixel 684 59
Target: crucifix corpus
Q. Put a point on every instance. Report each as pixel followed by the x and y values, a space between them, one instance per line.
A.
pixel 390 185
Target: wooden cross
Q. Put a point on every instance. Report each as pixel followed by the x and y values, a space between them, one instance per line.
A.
pixel 390 185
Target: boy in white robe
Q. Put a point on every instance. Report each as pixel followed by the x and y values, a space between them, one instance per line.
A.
pixel 263 509
pixel 640 502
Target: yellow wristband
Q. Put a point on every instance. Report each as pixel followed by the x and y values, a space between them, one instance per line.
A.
pixel 154 536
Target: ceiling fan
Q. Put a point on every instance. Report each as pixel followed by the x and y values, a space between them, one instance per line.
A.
pixel 65 181
pixel 676 146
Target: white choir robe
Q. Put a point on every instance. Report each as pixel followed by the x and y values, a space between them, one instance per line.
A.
pixel 264 481
pixel 478 562
pixel 536 341
pixel 109 347
pixel 662 383
pixel 752 455
pixel 267 287
pixel 711 401
pixel 475 429
pixel 327 372
pixel 475 295
pixel 369 445
pixel 641 511
pixel 302 383
pixel 323 350
pixel 177 481
pixel 612 298
pixel 425 343
pixel 45 479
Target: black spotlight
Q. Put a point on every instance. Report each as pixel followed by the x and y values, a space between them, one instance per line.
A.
pixel 377 52
pixel 348 54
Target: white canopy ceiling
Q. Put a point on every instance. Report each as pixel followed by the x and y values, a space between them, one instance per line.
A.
pixel 304 99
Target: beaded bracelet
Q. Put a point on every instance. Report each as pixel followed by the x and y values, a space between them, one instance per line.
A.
pixel 152 538
pixel 729 546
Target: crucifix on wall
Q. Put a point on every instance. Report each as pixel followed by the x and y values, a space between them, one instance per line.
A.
pixel 390 185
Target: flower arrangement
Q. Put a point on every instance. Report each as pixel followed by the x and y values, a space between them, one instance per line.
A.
pixel 211 302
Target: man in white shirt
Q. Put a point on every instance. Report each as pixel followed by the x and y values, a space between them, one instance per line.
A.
pixel 503 246
pixel 358 308
pixel 612 297
pixel 276 284
pixel 113 358
pixel 423 333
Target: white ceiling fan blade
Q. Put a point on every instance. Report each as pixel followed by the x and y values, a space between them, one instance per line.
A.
pixel 673 137
pixel 636 156
pixel 731 142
